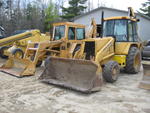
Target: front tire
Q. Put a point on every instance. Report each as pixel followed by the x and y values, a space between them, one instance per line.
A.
pixel 133 61
pixel 18 53
pixel 111 71
pixel 2 49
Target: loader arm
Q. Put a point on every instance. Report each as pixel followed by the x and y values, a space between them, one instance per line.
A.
pixel 106 52
pixel 32 56
pixel 20 41
pixel 42 48
pixel 15 38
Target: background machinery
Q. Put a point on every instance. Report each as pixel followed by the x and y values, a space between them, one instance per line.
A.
pixel 37 52
pixel 16 44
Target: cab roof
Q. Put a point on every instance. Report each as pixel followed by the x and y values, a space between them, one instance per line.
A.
pixel 69 24
pixel 119 18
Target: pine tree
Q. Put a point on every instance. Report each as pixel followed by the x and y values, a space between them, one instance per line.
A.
pixel 76 7
pixel 146 8
pixel 51 15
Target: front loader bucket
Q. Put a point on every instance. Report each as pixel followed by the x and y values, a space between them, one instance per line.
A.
pixel 145 83
pixel 18 67
pixel 74 74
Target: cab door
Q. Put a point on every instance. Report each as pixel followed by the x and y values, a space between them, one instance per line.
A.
pixel 132 31
pixel 66 45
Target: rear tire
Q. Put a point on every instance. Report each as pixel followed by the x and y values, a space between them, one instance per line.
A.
pixel 111 71
pixel 17 53
pixel 2 49
pixel 133 61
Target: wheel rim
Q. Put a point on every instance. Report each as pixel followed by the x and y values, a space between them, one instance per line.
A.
pixel 4 50
pixel 18 54
pixel 137 62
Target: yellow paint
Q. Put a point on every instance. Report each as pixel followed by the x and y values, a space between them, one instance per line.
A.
pixel 119 18
pixel 122 48
pixel 104 49
pixel 21 40
pixel 121 59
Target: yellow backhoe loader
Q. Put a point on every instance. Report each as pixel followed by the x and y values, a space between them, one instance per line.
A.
pixel 17 44
pixel 81 63
pixel 36 52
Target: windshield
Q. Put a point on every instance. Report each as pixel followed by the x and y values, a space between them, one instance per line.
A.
pixel 80 33
pixel 59 32
pixel 116 28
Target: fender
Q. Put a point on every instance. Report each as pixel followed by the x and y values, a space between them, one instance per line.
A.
pixel 122 48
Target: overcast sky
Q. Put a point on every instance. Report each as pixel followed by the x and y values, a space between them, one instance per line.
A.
pixel 119 4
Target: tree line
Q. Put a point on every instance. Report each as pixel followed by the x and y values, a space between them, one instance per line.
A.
pixel 25 14
pixel 36 14
pixel 39 14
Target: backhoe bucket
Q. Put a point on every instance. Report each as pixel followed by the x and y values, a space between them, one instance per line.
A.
pixel 145 83
pixel 74 74
pixel 18 67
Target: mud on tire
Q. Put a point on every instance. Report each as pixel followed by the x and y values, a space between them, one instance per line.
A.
pixel 18 50
pixel 2 49
pixel 133 61
pixel 111 71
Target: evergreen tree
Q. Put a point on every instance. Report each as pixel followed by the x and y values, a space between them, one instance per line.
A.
pixel 51 15
pixel 76 7
pixel 146 8
pixel 32 16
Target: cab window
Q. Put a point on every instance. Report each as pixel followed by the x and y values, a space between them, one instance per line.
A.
pixel 120 30
pixel 130 31
pixel 59 32
pixel 71 33
pixel 116 28
pixel 80 32
pixel 135 34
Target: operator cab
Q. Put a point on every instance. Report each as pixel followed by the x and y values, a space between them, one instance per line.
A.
pixel 123 29
pixel 69 31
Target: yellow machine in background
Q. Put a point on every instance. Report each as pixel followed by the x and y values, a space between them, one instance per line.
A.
pixel 36 52
pixel 80 62
pixel 17 44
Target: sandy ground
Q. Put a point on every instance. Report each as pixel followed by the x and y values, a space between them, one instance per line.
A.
pixel 28 95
